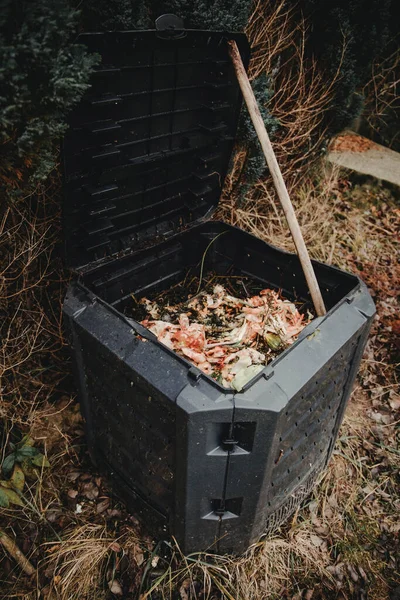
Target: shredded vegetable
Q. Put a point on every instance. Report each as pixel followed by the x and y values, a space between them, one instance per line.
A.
pixel 229 338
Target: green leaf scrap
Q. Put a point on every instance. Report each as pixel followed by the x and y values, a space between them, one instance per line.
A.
pixel 8 463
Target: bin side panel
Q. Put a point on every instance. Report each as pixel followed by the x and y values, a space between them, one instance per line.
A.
pixel 201 467
pixel 130 423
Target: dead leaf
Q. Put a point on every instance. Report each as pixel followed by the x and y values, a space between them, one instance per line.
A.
pixel 353 573
pixel 114 513
pixel 115 587
pixel 73 475
pixel 394 401
pixel 53 515
pixel 182 590
pixel 18 478
pixel 90 490
pixel 72 493
pixel 103 505
pixel 154 562
pixel 138 555
pixel 12 496
pixel 40 461
pixel 316 540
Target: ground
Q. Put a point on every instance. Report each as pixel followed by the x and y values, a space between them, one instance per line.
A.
pixel 79 538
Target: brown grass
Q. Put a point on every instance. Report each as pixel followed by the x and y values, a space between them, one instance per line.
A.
pixel 332 230
pixel 300 96
pixel 30 300
pixel 77 564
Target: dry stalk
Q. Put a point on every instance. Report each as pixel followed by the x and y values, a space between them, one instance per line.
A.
pixel 30 325
pixel 77 564
pixel 382 93
pixel 11 547
pixel 301 94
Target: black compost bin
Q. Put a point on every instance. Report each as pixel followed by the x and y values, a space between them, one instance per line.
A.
pixel 145 159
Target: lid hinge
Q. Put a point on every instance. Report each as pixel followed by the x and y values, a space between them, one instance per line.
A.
pixel 170 27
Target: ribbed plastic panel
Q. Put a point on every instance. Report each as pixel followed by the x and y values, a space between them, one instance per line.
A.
pixel 308 422
pixel 143 454
pixel 148 147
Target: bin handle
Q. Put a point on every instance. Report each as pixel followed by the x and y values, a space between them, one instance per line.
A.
pixel 276 173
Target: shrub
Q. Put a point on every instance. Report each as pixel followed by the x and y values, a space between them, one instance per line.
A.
pixel 367 28
pixel 42 75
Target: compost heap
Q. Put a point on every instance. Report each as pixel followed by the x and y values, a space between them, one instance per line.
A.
pixel 231 339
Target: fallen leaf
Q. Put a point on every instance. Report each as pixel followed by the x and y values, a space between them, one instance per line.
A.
pixel 90 490
pixel 139 556
pixel 73 475
pixel 182 590
pixel 28 469
pixel 316 540
pixel 40 461
pixel 353 573
pixel 72 493
pixel 394 401
pixel 154 562
pixel 18 478
pixel 4 500
pixel 115 587
pixel 12 497
pixel 103 505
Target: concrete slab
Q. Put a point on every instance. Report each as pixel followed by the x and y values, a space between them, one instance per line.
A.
pixel 358 153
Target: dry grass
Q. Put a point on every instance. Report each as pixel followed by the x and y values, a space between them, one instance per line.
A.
pixel 300 95
pixel 77 564
pixel 332 229
pixel 29 284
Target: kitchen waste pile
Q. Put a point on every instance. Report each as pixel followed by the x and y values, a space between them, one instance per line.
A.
pixel 229 338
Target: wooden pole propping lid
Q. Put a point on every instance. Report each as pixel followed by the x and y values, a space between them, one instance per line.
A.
pixel 277 177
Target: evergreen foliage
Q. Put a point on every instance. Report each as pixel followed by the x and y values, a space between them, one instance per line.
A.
pixel 255 162
pixel 368 29
pixel 112 15
pixel 42 75
pixel 228 15
pixel 116 15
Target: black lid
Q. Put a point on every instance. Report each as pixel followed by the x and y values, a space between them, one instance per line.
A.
pixel 149 145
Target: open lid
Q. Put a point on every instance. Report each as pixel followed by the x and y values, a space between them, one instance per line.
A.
pixel 149 145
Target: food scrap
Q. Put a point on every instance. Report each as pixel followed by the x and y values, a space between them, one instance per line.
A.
pixel 229 338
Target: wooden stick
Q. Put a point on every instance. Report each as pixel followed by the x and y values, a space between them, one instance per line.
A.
pixel 16 553
pixel 275 171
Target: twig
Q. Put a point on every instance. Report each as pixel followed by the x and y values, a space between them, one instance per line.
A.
pixel 280 186
pixel 16 554
pixel 203 259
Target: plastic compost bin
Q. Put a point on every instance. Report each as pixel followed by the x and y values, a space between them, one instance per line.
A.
pixel 145 160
